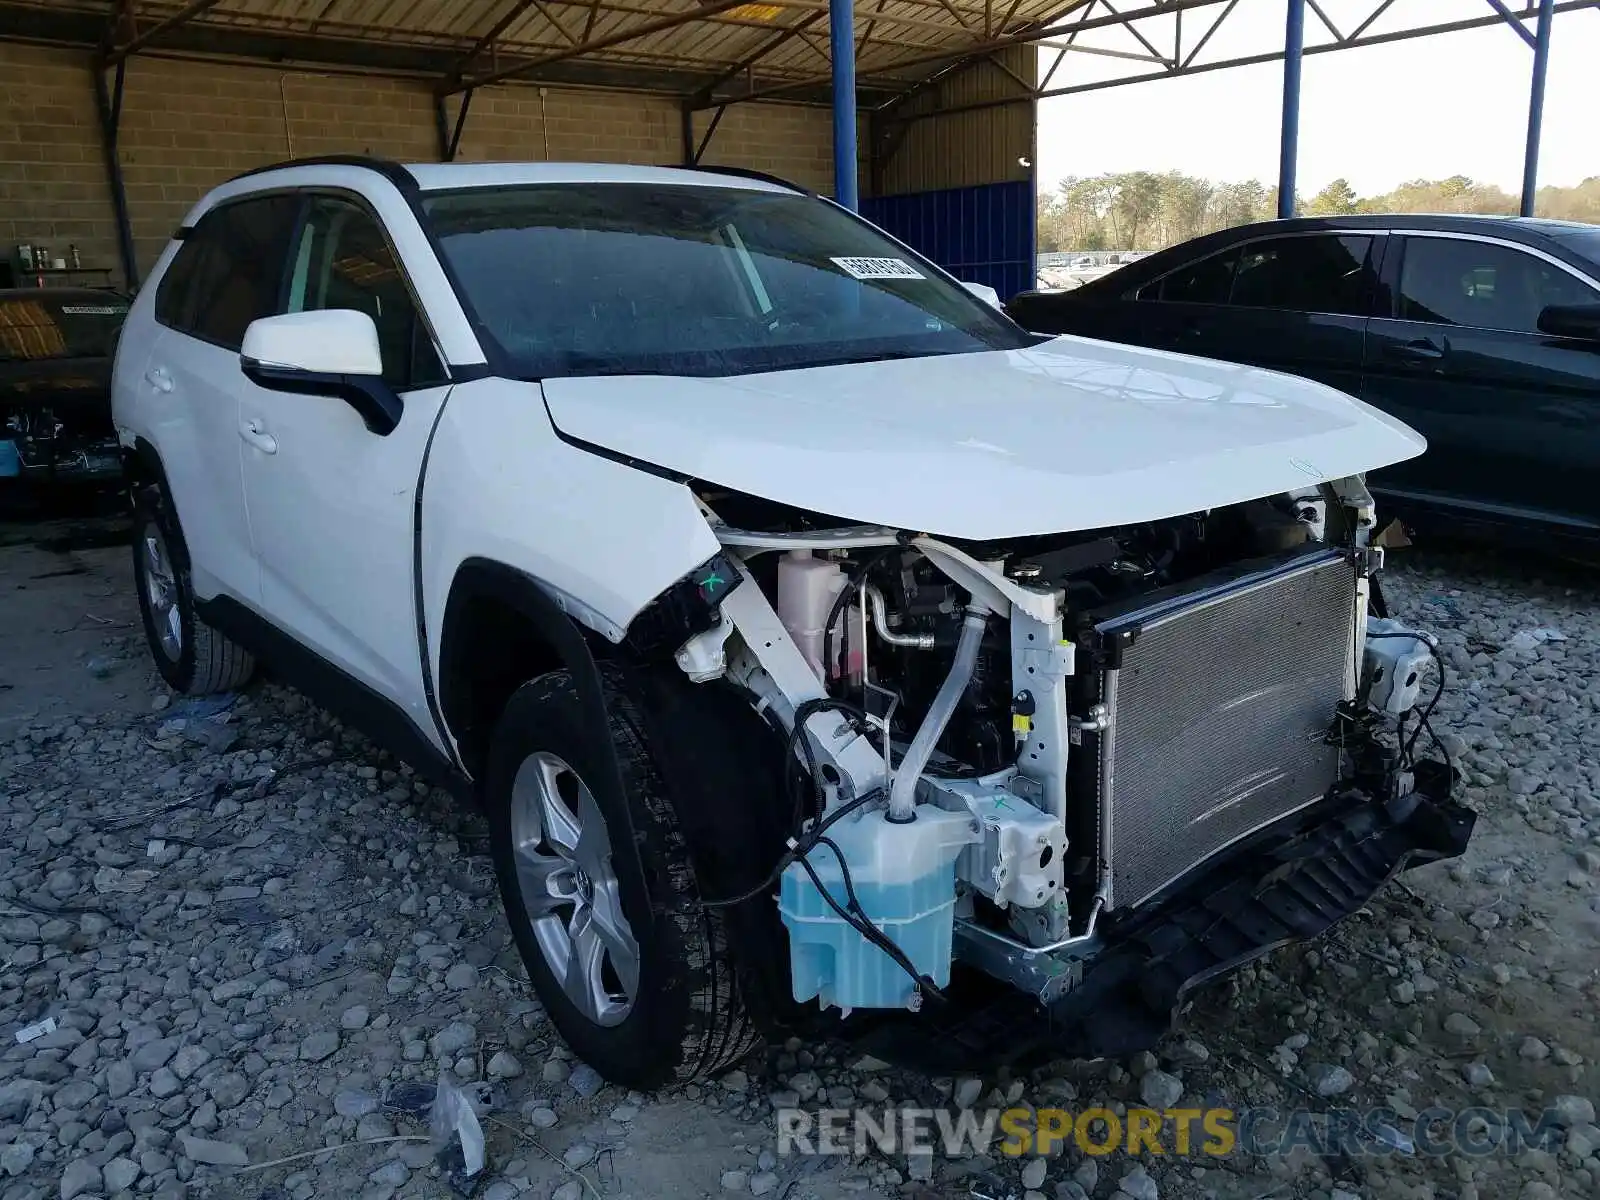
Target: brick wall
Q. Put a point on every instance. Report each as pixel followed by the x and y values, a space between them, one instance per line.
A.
pixel 791 141
pixel 187 126
pixel 52 177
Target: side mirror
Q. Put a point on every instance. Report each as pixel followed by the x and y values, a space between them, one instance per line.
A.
pixel 1571 321
pixel 983 292
pixel 330 352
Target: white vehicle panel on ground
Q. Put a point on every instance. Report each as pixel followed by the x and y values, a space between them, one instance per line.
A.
pixel 1073 434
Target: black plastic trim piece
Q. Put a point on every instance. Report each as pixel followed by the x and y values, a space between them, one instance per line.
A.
pixel 377 403
pixel 418 599
pixel 385 722
pixel 691 606
pixel 389 169
pixel 1291 887
pixel 744 173
pixel 484 578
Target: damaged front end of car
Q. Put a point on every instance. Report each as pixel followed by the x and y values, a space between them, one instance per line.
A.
pixel 1098 768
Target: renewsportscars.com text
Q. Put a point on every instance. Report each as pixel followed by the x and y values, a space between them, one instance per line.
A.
pixel 1180 1132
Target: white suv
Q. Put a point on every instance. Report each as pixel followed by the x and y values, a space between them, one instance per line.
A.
pixel 816 640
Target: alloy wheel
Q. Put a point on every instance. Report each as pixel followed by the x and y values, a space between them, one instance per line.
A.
pixel 570 891
pixel 161 591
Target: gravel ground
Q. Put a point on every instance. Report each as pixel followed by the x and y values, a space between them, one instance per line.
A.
pixel 250 928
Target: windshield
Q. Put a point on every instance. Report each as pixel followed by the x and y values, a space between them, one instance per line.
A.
pixel 627 278
pixel 45 326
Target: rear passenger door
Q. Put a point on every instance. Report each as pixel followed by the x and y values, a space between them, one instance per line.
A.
pixel 1512 415
pixel 1298 303
pixel 225 275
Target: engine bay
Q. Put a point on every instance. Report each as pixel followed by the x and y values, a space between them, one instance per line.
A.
pixel 953 717
pixel 902 616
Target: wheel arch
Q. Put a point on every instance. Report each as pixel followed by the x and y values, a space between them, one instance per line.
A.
pixel 142 468
pixel 724 771
pixel 502 627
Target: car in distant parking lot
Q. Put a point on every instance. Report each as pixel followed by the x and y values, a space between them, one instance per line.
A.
pixel 1482 333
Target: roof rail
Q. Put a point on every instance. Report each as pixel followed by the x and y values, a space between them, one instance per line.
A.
pixel 744 173
pixel 388 168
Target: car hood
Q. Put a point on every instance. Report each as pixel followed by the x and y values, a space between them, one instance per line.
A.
pixel 1067 435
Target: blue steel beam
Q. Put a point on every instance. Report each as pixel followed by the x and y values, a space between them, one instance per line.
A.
pixel 842 32
pixel 1511 19
pixel 1294 41
pixel 1541 62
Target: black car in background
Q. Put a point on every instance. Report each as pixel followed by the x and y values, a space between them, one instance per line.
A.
pixel 56 346
pixel 1482 333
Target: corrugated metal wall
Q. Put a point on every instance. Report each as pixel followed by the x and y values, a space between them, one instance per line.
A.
pixel 959 187
pixel 983 234
pixel 989 145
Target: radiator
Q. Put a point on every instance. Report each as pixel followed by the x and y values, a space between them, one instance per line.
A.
pixel 1218 708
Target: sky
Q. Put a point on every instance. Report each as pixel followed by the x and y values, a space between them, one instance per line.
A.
pixel 1450 104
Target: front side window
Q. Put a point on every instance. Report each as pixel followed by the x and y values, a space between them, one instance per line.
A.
pixel 1321 273
pixel 1483 285
pixel 343 260
pixel 622 278
pixel 228 271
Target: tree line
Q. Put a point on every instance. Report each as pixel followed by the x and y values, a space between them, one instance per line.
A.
pixel 1146 210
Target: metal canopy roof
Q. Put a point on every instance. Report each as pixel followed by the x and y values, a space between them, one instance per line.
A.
pixel 708 51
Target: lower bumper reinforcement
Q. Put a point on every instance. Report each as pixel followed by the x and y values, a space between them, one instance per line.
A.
pixel 1284 891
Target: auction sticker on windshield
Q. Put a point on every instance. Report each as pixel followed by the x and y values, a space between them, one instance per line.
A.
pixel 877 268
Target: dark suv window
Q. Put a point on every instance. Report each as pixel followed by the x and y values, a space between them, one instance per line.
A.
pixel 343 260
pixel 1459 281
pixel 1324 273
pixel 1203 282
pixel 228 271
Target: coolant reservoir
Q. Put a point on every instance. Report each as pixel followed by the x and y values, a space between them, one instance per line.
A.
pixel 904 877
pixel 807 588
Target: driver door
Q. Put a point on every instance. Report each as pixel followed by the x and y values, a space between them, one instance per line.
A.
pixel 331 503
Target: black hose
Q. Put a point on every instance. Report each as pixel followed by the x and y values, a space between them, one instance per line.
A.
pixel 803 844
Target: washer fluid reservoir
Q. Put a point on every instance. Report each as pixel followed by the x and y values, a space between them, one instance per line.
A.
pixel 904 878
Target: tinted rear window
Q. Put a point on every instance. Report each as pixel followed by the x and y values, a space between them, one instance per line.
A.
pixel 49 327
pixel 1325 273
pixel 1203 282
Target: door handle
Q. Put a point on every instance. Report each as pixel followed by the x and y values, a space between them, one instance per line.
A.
pixel 1420 350
pixel 253 431
pixel 159 378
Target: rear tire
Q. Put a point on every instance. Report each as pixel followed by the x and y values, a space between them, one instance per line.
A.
pixel 191 656
pixel 672 1014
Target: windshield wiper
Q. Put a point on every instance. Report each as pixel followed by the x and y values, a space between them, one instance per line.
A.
pixel 883 356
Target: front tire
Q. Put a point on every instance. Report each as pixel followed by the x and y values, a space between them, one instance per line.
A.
pixel 191 657
pixel 632 970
